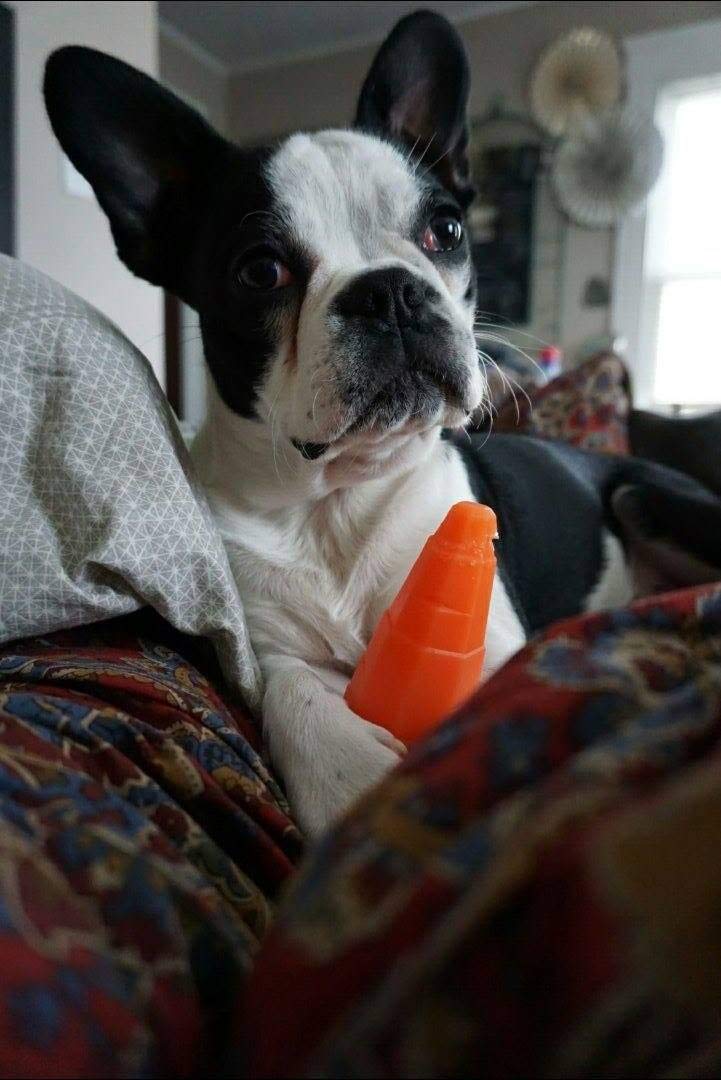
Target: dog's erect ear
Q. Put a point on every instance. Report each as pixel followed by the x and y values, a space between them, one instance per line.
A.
pixel 417 91
pixel 144 152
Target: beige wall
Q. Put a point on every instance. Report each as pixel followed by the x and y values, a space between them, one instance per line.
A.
pixel 502 49
pixel 203 83
pixel 66 236
pixel 198 79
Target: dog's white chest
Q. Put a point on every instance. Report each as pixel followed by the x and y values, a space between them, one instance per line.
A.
pixel 316 581
pixel 301 585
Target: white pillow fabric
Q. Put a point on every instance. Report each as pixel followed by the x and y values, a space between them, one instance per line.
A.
pixel 100 513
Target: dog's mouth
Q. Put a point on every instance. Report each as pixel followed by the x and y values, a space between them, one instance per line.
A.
pixel 415 398
pixel 311 451
pixel 412 396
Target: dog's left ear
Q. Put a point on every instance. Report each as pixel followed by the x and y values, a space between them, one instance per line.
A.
pixel 149 158
pixel 417 91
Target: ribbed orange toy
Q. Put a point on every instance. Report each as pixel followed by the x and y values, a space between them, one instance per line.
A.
pixel 426 655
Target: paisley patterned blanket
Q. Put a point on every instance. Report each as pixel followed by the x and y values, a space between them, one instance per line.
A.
pixel 535 891
pixel 142 841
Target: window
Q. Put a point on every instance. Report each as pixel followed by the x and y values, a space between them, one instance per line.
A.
pixel 682 264
pixel 667 274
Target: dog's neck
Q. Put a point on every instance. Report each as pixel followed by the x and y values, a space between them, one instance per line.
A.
pixel 253 469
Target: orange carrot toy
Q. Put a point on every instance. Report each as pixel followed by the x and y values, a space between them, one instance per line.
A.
pixel 426 655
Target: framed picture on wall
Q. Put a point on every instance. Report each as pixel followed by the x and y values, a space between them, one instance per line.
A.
pixel 7 144
pixel 502 230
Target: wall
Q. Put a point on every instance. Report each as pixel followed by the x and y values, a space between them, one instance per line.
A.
pixel 66 236
pixel 195 75
pixel 202 81
pixel 502 48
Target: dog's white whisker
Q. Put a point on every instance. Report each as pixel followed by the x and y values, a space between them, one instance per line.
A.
pixel 481 331
pixel 428 146
pixel 511 384
pixel 485 319
pixel 412 150
pixel 438 160
pixel 271 421
pixel 315 400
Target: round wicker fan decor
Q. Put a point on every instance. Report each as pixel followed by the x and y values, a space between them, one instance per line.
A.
pixel 579 73
pixel 606 166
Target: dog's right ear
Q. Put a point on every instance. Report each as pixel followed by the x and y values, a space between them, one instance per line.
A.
pixel 145 153
pixel 417 92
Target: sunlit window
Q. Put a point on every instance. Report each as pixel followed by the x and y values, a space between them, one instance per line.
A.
pixel 683 253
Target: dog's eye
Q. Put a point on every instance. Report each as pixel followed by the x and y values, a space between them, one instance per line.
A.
pixel 443 233
pixel 264 273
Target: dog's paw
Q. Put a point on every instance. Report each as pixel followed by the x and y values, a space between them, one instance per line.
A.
pixel 350 757
pixel 326 754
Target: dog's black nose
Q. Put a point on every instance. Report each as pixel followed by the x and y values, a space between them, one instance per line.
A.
pixel 393 296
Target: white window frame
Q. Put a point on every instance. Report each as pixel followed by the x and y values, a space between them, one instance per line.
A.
pixel 687 53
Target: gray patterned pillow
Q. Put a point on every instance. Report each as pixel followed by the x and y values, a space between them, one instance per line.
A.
pixel 99 510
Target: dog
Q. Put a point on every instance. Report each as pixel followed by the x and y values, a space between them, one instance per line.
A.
pixel 333 278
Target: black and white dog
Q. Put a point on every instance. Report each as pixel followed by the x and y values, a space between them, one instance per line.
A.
pixel 335 290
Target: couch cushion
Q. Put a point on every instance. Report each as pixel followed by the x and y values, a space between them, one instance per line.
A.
pixel 688 443
pixel 587 407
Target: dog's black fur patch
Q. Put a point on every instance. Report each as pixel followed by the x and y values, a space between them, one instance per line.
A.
pixel 553 502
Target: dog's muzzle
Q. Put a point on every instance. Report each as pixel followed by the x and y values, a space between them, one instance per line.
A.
pixel 403 349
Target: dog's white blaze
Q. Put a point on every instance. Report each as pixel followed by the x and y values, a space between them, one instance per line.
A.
pixel 348 198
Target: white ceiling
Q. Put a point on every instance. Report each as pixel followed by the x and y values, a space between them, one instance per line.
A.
pixel 241 35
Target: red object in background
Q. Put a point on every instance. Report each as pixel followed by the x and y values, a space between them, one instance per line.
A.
pixel 551 360
pixel 426 655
